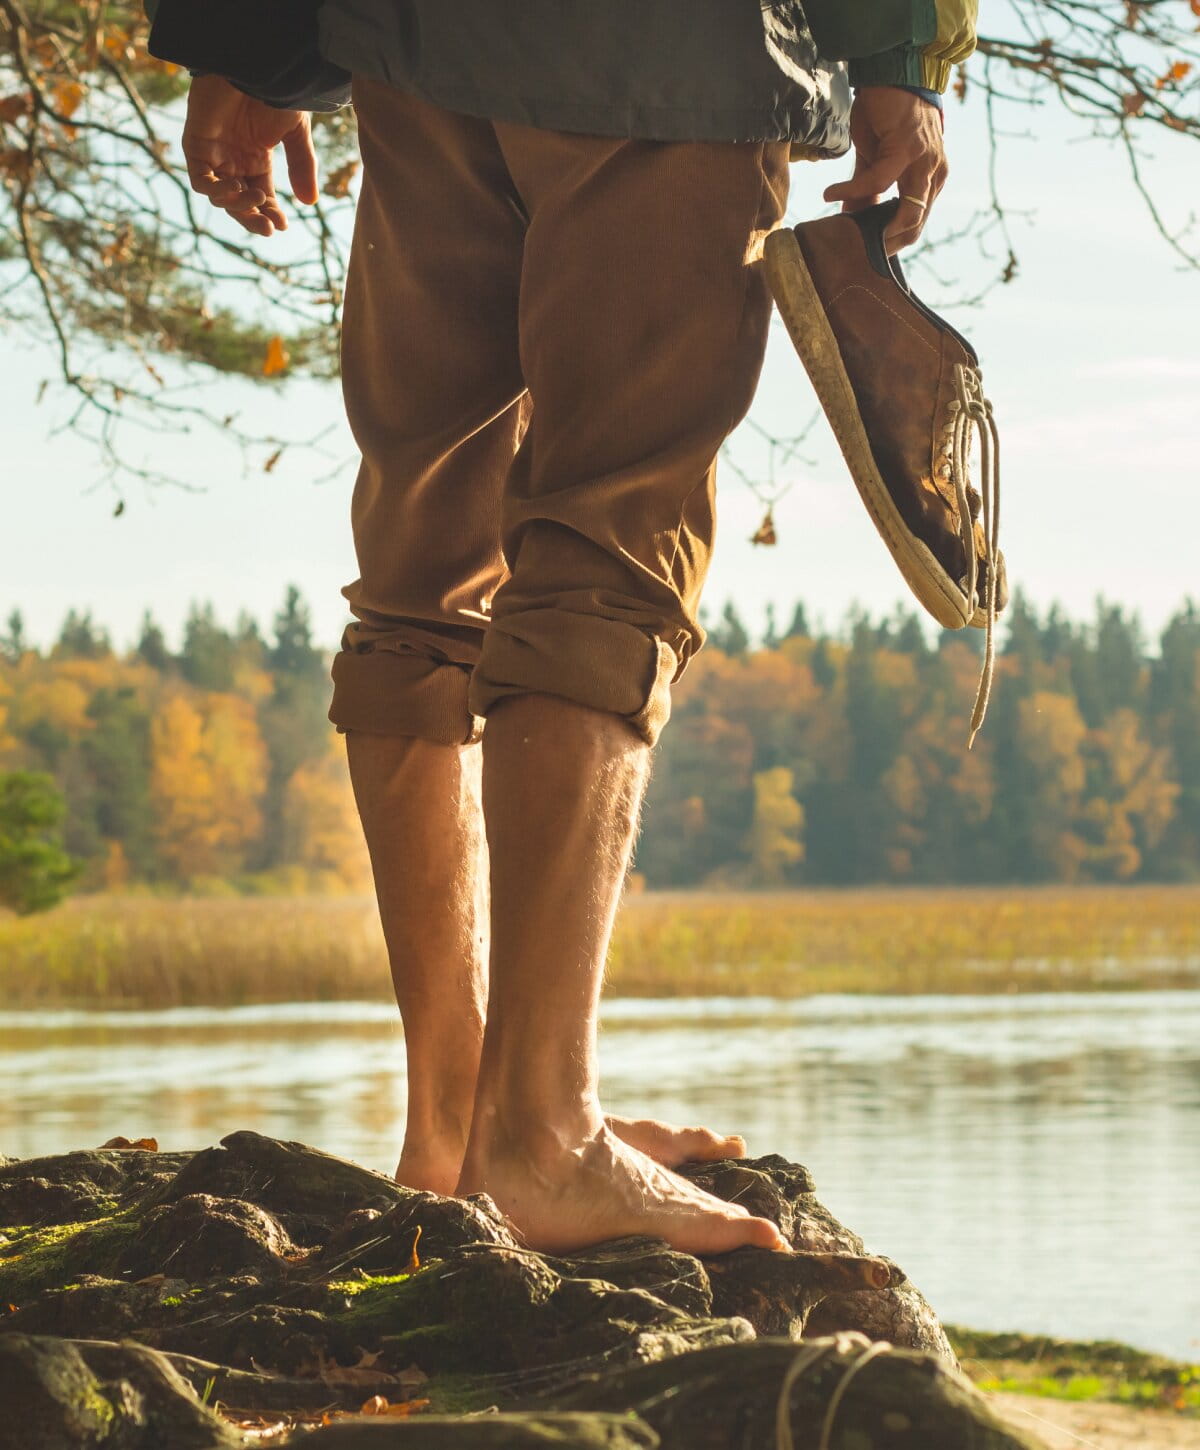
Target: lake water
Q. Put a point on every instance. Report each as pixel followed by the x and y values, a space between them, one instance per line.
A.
pixel 1033 1162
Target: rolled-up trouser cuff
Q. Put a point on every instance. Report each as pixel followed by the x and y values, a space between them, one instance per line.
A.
pixel 400 692
pixel 604 664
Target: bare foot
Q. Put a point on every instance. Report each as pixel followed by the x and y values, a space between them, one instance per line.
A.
pixel 600 1189
pixel 671 1146
pixel 438 1171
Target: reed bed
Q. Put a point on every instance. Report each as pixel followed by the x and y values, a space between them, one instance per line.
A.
pixel 153 952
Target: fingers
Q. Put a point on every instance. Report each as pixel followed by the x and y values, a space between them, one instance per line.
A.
pixel 249 200
pixel 898 141
pixel 919 188
pixel 301 163
pixel 906 225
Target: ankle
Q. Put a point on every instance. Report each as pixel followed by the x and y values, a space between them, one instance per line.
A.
pixel 538 1131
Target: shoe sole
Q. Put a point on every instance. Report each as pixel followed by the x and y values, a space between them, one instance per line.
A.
pixel 803 315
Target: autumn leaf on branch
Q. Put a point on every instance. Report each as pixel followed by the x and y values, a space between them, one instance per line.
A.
pixel 277 358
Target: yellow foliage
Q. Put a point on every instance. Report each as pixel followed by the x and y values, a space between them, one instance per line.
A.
pixel 55 701
pixel 320 821
pixel 208 773
pixel 773 841
pixel 116 870
pixel 1051 732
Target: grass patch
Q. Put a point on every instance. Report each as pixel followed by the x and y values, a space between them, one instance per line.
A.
pixel 391 1304
pixel 1081 1370
pixel 367 1284
pixel 145 951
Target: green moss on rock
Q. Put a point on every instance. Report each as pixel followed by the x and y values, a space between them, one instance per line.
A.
pixel 52 1258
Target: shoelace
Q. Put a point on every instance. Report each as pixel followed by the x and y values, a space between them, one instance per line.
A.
pixel 809 1356
pixel 973 413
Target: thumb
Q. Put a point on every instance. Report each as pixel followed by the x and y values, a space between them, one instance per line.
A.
pixel 301 163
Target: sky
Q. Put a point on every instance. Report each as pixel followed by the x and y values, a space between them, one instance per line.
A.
pixel 1091 357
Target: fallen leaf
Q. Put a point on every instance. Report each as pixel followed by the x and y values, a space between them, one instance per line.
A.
pixel 332 1373
pixel 138 1145
pixel 408 1407
pixel 376 1405
pixel 414 1263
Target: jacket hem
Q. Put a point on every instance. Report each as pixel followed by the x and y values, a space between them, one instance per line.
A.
pixel 648 123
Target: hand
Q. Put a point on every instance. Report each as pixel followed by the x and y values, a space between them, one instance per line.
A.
pixel 228 139
pixel 897 140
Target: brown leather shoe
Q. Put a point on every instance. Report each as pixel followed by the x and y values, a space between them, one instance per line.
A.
pixel 903 393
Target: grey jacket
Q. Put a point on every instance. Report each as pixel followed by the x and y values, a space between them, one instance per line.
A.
pixel 669 70
pixel 673 70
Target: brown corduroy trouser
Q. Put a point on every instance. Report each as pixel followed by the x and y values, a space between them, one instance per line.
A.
pixel 547 338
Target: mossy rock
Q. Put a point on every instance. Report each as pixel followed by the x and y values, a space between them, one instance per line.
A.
pixel 266 1274
pixel 53 1399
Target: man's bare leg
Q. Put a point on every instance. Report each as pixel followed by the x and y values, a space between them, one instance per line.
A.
pixel 562 788
pixel 422 814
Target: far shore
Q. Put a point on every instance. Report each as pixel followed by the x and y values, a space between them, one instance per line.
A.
pixel 143 950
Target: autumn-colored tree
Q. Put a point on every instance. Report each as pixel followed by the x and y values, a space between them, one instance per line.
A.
pixel 168 782
pixel 208 773
pixel 321 831
pixel 774 842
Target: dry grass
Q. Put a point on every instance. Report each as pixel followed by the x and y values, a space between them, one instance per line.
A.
pixel 113 950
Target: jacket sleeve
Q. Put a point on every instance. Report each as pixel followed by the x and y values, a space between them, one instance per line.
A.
pixel 895 42
pixel 267 48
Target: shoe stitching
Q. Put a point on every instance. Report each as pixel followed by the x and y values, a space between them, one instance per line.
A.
pixel 858 287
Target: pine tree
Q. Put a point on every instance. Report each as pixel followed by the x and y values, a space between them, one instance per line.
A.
pixel 295 719
pixel 117 753
pixel 80 639
pixel 151 647
pixel 731 636
pixel 208 655
pixel 798 629
pixel 13 645
pixel 771 633
pixel 292 652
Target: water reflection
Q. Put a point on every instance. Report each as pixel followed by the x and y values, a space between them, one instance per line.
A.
pixel 1033 1162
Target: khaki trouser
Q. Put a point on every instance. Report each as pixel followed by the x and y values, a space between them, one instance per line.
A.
pixel 547 338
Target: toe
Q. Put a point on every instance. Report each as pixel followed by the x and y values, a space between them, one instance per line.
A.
pixel 767 1236
pixel 702 1145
